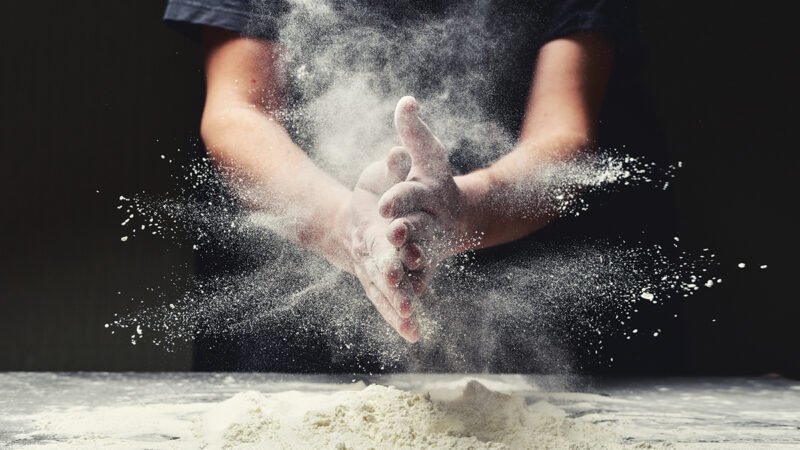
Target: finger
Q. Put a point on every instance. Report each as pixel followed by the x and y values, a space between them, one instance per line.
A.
pixel 381 303
pixel 383 306
pixel 405 198
pixel 373 178
pixel 406 327
pixel 413 227
pixel 410 330
pixel 412 257
pixel 392 272
pixel 397 288
pixel 427 154
pixel 419 280
pixel 380 176
pixel 386 271
pixel 398 164
pixel 403 296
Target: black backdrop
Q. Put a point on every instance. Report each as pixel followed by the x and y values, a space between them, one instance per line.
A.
pixel 95 91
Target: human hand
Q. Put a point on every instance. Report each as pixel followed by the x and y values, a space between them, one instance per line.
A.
pixel 427 209
pixel 376 261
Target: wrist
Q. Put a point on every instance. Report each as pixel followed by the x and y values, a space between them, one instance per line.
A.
pixel 475 189
pixel 327 230
pixel 339 238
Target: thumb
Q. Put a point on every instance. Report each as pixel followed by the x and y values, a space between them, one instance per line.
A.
pixel 427 153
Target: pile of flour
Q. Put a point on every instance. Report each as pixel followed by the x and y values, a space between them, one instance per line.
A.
pixel 384 417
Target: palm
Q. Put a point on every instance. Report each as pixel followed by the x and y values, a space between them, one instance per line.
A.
pixel 376 261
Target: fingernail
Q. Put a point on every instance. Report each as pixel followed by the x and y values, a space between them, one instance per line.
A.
pixel 410 103
pixel 413 257
pixel 418 286
pixel 400 234
pixel 392 277
pixel 410 331
pixel 386 209
pixel 405 307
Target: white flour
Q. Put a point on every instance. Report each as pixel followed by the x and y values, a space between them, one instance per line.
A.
pixel 385 417
pixel 187 411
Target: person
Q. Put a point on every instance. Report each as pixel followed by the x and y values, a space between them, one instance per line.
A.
pixel 579 85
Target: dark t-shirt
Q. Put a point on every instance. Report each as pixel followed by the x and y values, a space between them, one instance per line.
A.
pixel 614 18
pixel 516 30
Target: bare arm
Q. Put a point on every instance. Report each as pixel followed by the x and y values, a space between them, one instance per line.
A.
pixel 241 131
pixel 244 89
pixel 569 83
pixel 561 116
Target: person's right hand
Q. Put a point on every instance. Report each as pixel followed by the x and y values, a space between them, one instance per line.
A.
pixel 376 262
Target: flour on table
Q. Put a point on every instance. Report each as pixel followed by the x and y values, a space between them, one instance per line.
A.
pixel 386 417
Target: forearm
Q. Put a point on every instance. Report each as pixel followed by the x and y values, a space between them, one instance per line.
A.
pixel 271 174
pixel 503 202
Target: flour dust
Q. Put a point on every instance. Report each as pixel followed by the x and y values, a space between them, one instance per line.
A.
pixel 522 311
pixel 346 68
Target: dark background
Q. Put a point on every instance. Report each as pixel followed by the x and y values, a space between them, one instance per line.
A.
pixel 95 91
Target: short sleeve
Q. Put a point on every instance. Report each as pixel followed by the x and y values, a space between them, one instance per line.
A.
pixel 188 15
pixel 614 18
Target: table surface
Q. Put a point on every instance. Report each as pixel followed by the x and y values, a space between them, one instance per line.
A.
pixel 684 412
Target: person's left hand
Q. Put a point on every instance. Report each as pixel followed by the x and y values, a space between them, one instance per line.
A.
pixel 427 209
